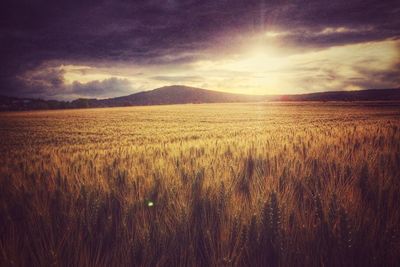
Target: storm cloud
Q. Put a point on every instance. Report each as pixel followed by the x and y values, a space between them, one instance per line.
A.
pixel 36 37
pixel 111 87
pixel 49 82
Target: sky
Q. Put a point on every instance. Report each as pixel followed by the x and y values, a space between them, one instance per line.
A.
pixel 106 48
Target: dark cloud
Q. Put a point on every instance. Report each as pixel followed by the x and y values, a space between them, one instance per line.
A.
pixel 48 82
pixel 42 81
pixel 315 39
pixel 111 87
pixel 377 79
pixel 150 31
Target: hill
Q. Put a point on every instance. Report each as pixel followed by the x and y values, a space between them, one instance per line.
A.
pixel 362 95
pixel 178 95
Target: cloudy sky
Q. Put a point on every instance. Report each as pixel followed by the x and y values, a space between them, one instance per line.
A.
pixel 105 48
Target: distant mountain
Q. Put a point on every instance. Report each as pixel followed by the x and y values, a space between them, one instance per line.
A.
pixel 362 95
pixel 179 94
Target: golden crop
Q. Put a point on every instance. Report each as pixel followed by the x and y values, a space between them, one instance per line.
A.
pixel 314 184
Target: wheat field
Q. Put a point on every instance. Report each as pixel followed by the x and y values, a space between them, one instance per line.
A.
pixel 300 184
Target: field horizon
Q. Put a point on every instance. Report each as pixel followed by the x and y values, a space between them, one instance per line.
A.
pixel 180 94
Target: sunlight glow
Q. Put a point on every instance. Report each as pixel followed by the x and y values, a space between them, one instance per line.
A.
pixel 260 67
